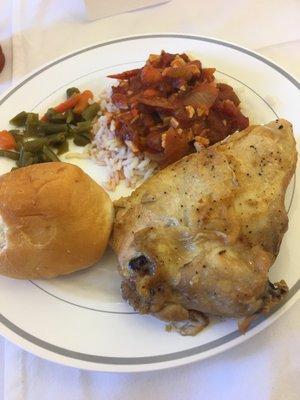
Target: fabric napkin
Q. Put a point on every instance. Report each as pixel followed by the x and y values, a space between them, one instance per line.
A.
pixel 44 30
pixel 96 9
pixel 266 367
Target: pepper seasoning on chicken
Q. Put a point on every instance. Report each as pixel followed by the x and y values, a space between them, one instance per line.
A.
pixel 200 236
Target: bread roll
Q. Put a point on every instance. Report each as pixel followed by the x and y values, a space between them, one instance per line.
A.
pixel 55 220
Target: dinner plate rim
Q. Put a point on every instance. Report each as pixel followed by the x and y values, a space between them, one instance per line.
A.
pixel 73 359
pixel 48 351
pixel 21 81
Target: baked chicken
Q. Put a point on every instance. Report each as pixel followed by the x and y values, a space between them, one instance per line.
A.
pixel 200 236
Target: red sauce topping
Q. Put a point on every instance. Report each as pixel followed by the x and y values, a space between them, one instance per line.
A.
pixel 171 102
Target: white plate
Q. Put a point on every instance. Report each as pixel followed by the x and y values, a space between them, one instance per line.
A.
pixel 81 320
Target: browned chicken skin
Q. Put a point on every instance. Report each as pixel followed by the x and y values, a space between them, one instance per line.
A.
pixel 201 235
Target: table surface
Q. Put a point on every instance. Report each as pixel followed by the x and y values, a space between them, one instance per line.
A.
pixel 266 366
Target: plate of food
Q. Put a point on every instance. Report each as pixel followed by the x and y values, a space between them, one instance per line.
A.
pixel 148 202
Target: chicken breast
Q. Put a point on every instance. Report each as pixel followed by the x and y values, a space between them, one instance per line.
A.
pixel 200 236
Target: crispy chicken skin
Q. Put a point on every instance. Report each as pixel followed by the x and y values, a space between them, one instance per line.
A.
pixel 200 236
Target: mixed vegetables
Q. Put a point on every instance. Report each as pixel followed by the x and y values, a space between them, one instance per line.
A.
pixel 36 140
pixel 173 105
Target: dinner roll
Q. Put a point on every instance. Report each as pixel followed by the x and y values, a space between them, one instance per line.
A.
pixel 54 219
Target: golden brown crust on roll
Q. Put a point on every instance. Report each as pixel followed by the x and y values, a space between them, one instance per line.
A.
pixel 56 220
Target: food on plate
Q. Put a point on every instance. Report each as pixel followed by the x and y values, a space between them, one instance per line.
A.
pixel 54 219
pixel 154 116
pixel 200 236
pixel 39 140
pixel 157 114
pixel 172 103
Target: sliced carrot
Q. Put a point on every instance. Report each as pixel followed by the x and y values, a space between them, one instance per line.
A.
pixel 83 101
pixel 7 141
pixel 44 118
pixel 68 104
pixel 65 106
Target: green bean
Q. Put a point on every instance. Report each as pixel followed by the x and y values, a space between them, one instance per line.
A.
pixel 48 127
pixel 81 127
pixel 26 158
pixel 19 137
pixel 36 145
pixel 77 118
pixel 19 119
pixel 56 138
pixel 13 131
pixel 9 154
pixel 88 135
pixel 70 134
pixel 81 140
pixel 63 148
pixel 69 115
pixel 18 146
pixel 54 116
pixel 90 112
pixel 72 91
pixel 49 155
pixel 31 126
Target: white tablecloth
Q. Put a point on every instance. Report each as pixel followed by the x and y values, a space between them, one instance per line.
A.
pixel 34 32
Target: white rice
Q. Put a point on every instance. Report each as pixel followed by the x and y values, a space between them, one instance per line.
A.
pixel 122 161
